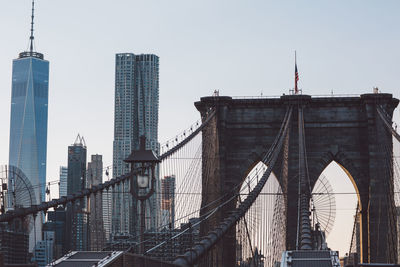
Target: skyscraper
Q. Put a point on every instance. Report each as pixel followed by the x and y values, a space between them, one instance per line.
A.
pixel 77 217
pixel 107 207
pixel 28 121
pixel 76 177
pixel 63 181
pixel 136 114
pixel 96 225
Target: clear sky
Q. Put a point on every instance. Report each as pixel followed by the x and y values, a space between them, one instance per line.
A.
pixel 242 48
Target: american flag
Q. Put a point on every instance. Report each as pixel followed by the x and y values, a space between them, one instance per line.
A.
pixel 296 78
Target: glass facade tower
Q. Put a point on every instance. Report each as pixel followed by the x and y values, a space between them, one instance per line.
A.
pixel 28 125
pixel 136 114
pixel 77 214
pixel 63 182
pixel 28 122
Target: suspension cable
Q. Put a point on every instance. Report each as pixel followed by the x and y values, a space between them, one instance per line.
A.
pixel 44 206
pixel 385 120
pixel 200 249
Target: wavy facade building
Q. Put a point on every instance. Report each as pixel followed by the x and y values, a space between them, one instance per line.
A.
pixel 136 114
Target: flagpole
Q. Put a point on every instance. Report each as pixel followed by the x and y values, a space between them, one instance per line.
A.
pixel 295 73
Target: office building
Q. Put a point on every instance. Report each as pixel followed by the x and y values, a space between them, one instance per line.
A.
pixel 77 214
pixel 96 226
pixel 28 121
pixel 63 181
pixel 168 201
pixel 136 114
pixel 107 208
pixel 39 253
pixel 76 175
pixel 43 253
pixel 14 243
pixel 56 223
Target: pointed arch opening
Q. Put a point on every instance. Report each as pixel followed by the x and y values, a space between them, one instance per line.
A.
pixel 260 234
pixel 346 195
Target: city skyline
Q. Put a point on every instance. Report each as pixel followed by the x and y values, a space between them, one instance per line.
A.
pixel 353 48
pixel 278 69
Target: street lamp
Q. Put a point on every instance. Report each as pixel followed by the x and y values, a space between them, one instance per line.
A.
pixel 143 183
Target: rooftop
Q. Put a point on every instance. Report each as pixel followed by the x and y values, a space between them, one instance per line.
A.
pixel 87 258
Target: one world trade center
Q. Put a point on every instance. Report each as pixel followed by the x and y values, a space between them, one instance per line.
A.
pixel 28 122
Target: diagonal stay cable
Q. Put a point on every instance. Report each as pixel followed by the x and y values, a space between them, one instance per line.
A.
pixel 198 210
pixel 353 235
pixel 210 213
pixel 248 234
pixel 386 122
pixel 201 208
pixel 201 248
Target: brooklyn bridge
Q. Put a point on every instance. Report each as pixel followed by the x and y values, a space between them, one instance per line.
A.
pixel 249 182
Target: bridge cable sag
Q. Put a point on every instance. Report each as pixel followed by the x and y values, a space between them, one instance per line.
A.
pixel 86 192
pixel 188 138
pixel 227 194
pixel 209 205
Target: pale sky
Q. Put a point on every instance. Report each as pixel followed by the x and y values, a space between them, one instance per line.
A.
pixel 241 48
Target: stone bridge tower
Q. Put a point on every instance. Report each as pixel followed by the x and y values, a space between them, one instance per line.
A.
pixel 346 130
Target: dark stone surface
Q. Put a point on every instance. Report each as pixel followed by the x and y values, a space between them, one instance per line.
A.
pixel 347 130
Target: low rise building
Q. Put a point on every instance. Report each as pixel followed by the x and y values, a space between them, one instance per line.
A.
pixel 14 243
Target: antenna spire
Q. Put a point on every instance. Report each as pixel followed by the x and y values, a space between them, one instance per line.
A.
pixel 30 52
pixel 32 17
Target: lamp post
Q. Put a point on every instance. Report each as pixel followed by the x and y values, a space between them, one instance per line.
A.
pixel 142 184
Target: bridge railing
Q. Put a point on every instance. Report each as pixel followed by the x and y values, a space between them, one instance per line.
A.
pixel 279 96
